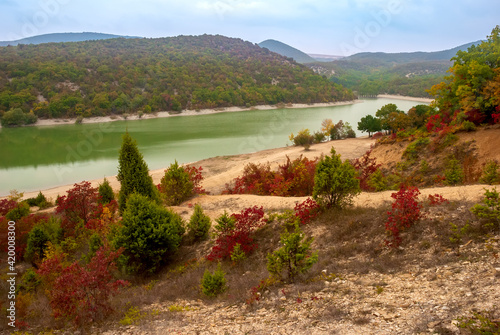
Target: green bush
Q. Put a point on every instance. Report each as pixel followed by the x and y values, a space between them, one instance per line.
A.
pixel 22 210
pixel 37 244
pixel 149 234
pixel 378 181
pixel 40 201
pixel 490 209
pixel 454 173
pixel 481 322
pixel 224 224
pixel 490 173
pixel 303 138
pixel 133 173
pixel 176 185
pixel 319 136
pixel 213 284
pixel 413 149
pixel 468 126
pixel 335 182
pixel 106 194
pixel 199 224
pixel 294 257
pixel 16 117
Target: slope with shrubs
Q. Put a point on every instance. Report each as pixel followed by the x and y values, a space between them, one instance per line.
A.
pixel 122 76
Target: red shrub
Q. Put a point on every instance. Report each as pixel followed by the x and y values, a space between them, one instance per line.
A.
pixel 294 178
pixel 406 210
pixel 196 177
pixel 23 227
pixel 437 199
pixel 365 166
pixel 475 116
pixel 6 206
pixel 307 210
pixel 103 217
pixel 246 223
pixel 81 293
pixel 78 206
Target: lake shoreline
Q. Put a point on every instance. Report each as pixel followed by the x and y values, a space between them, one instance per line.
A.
pixel 164 114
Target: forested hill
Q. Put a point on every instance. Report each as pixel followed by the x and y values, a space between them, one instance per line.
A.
pixel 129 75
pixel 61 37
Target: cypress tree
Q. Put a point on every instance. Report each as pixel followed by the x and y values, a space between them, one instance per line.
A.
pixel 133 173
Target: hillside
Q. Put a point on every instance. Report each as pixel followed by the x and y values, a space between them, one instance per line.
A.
pixel 358 286
pixel 61 37
pixel 287 51
pixel 118 76
pixel 409 74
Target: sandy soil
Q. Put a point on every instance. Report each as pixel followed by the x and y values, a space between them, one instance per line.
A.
pixel 401 97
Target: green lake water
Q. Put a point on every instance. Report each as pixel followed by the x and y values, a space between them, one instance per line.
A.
pixel 41 157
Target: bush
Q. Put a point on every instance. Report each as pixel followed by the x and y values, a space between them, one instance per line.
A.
pixel 78 207
pixel 405 211
pixel 149 233
pixel 133 173
pixel 454 174
pixel 468 126
pixel 15 214
pixel 245 223
pixel 306 210
pixel 303 138
pixel 366 167
pixel 377 181
pixel 294 257
pixel 106 194
pixel 81 293
pixel 335 182
pixel 176 185
pixel 40 201
pixel 213 284
pixel 37 243
pixel 199 224
pixel 319 136
pixel 6 205
pixel 294 178
pixel 490 209
pixel 16 117
pixel 490 173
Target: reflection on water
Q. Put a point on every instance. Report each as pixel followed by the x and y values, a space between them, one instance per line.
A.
pixel 35 158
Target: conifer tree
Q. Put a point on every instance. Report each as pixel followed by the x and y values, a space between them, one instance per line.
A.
pixel 133 173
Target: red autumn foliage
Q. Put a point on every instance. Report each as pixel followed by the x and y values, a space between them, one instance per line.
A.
pixel 294 178
pixel 23 227
pixel 365 166
pixel 78 206
pixel 406 210
pixel 246 223
pixel 195 174
pixel 475 116
pixel 103 216
pixel 6 206
pixel 81 293
pixel 437 199
pixel 306 210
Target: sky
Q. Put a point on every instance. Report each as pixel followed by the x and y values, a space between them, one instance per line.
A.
pixel 331 27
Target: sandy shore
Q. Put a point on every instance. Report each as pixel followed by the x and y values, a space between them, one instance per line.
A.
pixel 101 119
pixel 402 97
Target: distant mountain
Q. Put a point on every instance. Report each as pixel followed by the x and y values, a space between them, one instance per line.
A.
pixel 325 58
pixel 408 57
pixel 62 37
pixel 406 73
pixel 287 51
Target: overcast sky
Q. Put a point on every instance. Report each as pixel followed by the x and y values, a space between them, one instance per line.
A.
pixel 334 27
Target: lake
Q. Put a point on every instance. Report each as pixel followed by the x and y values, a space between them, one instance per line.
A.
pixel 41 157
